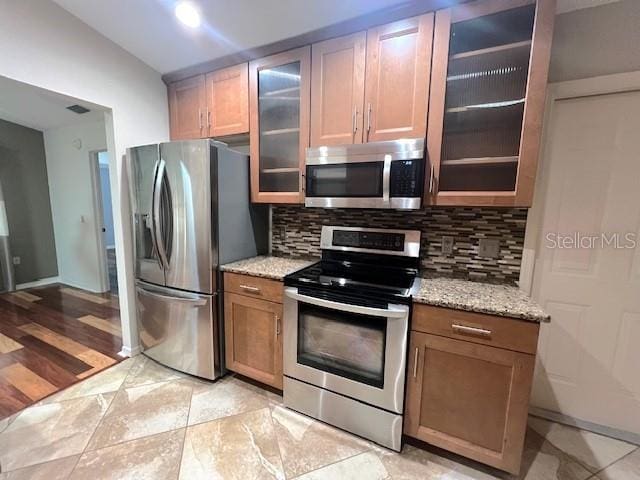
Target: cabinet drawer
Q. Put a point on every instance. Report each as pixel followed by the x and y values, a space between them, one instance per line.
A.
pixel 501 332
pixel 255 287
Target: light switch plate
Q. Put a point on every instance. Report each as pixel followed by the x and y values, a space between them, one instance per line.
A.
pixel 489 248
pixel 16 260
pixel 447 245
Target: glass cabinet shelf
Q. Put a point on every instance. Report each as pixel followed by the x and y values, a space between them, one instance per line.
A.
pixel 498 48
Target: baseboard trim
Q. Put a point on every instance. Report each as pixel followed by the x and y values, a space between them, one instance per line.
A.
pixel 130 352
pixel 81 287
pixel 38 283
pixel 618 434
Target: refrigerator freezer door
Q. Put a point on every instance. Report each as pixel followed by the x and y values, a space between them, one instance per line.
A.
pixel 186 226
pixel 178 329
pixel 143 163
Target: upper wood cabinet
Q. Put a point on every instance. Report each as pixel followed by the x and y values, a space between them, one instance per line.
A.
pixel 490 65
pixel 187 108
pixel 279 98
pixel 372 86
pixel 211 105
pixel 397 79
pixel 228 101
pixel 337 85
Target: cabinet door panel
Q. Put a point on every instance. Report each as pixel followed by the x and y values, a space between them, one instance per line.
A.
pixel 187 107
pixel 470 399
pixel 337 84
pixel 228 101
pixel 490 64
pixel 279 100
pixel 253 339
pixel 397 85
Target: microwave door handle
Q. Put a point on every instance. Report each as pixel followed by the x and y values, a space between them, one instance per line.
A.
pixel 386 179
pixel 394 311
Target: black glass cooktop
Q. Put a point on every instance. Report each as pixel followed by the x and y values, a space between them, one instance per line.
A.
pixel 358 279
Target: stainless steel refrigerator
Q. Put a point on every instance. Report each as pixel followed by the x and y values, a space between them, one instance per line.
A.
pixel 191 214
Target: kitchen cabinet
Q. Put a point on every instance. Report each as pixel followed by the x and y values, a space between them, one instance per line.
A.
pixel 373 85
pixel 253 323
pixel 397 79
pixel 469 382
pixel 490 65
pixel 228 101
pixel 279 98
pixel 337 85
pixel 211 105
pixel 187 108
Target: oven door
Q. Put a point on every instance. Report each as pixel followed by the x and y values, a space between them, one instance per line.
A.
pixel 350 184
pixel 354 350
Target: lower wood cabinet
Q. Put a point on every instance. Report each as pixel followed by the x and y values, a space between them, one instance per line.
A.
pixel 253 338
pixel 469 398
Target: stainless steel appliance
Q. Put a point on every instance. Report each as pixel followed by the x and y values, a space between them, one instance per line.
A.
pixel 368 175
pixel 346 321
pixel 191 213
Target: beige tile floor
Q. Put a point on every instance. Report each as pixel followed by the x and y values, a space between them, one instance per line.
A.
pixel 139 420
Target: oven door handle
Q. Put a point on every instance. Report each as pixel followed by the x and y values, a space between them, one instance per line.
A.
pixel 394 311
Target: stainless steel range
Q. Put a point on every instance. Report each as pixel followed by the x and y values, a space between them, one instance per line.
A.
pixel 346 321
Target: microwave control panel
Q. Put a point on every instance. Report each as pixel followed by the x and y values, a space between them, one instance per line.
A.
pixel 407 178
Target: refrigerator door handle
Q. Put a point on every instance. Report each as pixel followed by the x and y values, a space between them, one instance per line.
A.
pixel 157 215
pixel 196 300
pixel 152 216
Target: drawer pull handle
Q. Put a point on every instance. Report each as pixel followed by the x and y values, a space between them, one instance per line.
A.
pixel 277 325
pixel 249 288
pixel 415 363
pixel 465 330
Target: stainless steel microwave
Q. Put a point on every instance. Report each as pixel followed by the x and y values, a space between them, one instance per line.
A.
pixel 369 175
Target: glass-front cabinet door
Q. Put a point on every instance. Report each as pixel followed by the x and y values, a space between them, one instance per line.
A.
pixel 280 97
pixel 487 100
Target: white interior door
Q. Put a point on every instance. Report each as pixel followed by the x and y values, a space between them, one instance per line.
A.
pixel 589 355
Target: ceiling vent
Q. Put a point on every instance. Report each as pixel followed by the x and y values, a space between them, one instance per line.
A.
pixel 79 109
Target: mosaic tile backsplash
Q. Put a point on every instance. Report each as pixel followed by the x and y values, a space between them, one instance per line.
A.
pixel 296 233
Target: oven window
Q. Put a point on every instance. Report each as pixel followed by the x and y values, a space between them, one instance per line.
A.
pixel 345 180
pixel 345 344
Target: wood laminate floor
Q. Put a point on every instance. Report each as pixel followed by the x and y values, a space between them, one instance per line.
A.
pixel 52 337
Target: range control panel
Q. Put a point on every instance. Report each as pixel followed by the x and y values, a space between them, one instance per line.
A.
pixel 370 240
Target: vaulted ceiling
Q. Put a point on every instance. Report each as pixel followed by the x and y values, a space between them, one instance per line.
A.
pixel 149 30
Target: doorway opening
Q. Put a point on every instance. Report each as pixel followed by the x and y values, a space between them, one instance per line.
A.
pixel 104 225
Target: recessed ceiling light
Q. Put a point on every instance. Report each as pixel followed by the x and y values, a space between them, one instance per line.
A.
pixel 188 14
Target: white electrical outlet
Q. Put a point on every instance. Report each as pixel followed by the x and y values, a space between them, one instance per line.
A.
pixel 16 260
pixel 447 245
pixel 489 248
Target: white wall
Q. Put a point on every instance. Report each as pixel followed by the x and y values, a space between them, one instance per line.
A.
pixel 72 203
pixel 43 45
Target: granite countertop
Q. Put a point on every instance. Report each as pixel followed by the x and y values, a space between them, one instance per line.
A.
pixel 502 300
pixel 275 268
